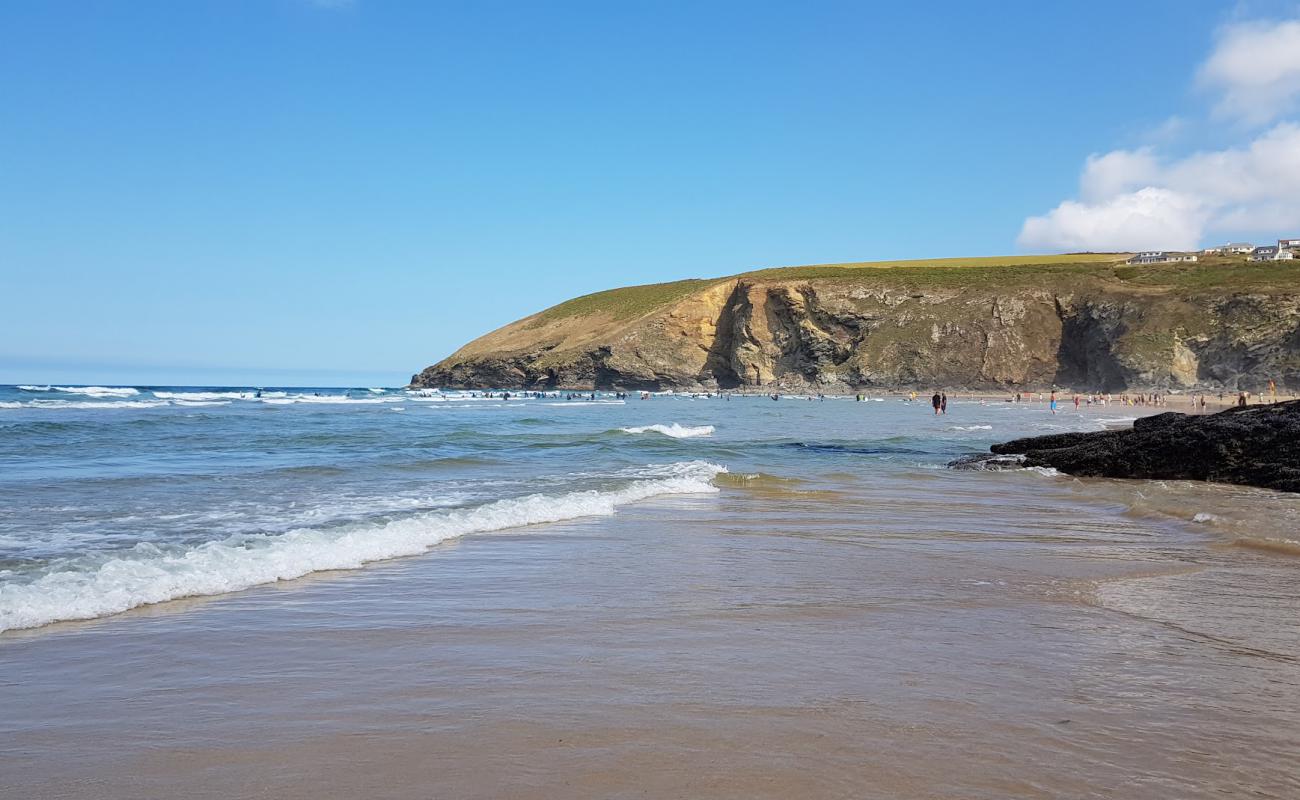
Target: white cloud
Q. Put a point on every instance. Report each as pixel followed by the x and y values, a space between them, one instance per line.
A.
pixel 1140 220
pixel 1134 201
pixel 1256 65
pixel 1141 200
pixel 1116 172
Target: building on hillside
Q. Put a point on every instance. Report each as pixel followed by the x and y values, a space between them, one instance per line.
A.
pixel 1285 255
pixel 1150 257
pixel 1232 249
pixel 1183 257
pixel 1263 254
pixel 1288 244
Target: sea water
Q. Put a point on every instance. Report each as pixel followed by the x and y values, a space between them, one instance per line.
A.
pixel 115 497
pixel 310 592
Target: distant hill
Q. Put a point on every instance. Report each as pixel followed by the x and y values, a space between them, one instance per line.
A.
pixel 1083 321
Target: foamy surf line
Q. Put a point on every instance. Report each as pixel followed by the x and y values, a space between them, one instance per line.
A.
pixel 674 430
pixel 89 391
pixel 148 575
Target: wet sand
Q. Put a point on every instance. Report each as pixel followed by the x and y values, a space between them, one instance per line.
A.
pixel 928 635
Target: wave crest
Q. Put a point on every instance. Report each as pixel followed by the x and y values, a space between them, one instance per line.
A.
pixel 98 391
pixel 149 574
pixel 674 430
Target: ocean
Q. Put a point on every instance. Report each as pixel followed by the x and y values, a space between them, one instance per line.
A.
pixel 585 595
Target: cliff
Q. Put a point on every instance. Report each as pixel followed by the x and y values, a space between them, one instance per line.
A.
pixel 1088 322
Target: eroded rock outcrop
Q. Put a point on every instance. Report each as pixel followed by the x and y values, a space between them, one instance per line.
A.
pixel 1253 446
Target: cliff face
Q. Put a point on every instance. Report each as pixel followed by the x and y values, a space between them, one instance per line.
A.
pixel 1087 326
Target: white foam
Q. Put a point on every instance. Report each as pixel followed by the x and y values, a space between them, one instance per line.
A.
pixel 98 391
pixel 328 399
pixel 1204 517
pixel 86 404
pixel 148 574
pixel 970 427
pixel 206 396
pixel 674 430
pixel 1115 422
pixel 35 388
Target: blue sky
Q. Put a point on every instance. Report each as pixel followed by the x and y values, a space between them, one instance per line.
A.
pixel 341 193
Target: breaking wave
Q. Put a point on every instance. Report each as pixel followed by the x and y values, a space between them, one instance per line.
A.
pixel 674 430
pixel 97 391
pixel 89 404
pixel 96 586
pixel 204 396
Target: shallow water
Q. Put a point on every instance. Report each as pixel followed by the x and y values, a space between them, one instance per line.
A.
pixel 835 615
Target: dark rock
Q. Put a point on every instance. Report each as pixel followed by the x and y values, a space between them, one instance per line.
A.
pixel 983 461
pixel 1253 446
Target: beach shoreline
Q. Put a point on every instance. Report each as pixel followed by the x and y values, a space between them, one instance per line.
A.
pixel 588 659
pixel 483 598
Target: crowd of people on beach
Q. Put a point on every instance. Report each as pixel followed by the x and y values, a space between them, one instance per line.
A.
pixel 1199 402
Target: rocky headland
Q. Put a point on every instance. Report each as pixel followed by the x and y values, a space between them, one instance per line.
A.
pixel 1252 445
pixel 1084 322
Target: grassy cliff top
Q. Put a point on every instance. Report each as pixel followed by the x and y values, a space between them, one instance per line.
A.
pixel 634 301
pixel 625 303
pixel 1215 273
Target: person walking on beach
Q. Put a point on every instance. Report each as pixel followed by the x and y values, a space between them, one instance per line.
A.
pixel 936 401
pixel 1052 402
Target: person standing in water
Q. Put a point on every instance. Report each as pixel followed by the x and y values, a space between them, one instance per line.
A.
pixel 1052 402
pixel 936 401
pixel 943 403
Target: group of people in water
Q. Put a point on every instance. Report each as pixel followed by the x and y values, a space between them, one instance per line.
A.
pixel 938 401
pixel 1154 399
pixel 553 395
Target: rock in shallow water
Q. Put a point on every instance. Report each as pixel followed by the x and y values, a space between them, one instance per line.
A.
pixel 980 462
pixel 1253 446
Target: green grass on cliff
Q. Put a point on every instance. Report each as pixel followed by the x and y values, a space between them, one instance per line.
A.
pixel 1049 272
pixel 633 301
pixel 626 303
pixel 1060 272
pixel 937 265
pixel 1216 274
